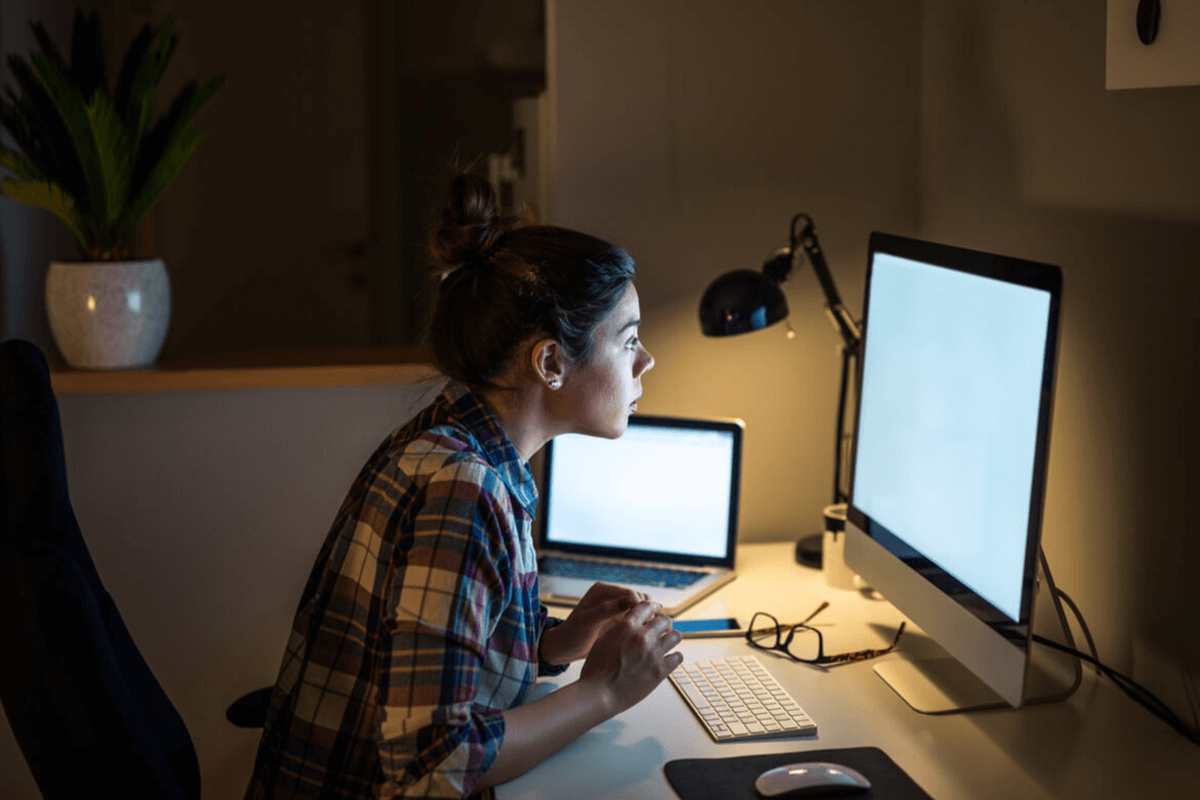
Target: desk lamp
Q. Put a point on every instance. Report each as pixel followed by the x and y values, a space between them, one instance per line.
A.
pixel 745 300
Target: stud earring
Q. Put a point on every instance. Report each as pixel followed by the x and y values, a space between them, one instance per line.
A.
pixel 554 383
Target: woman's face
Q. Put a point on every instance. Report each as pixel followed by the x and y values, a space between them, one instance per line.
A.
pixel 598 396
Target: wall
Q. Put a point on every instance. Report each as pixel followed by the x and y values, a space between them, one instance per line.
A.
pixel 203 511
pixel 1024 152
pixel 693 146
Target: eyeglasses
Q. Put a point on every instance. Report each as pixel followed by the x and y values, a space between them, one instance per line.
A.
pixel 803 642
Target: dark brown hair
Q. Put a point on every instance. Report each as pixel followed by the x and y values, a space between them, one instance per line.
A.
pixel 502 284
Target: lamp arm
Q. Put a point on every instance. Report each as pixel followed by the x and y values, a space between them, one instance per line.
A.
pixel 842 319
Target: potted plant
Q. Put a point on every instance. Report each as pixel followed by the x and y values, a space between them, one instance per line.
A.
pixel 97 161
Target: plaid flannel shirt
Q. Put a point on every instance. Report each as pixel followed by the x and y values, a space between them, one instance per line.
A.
pixel 419 623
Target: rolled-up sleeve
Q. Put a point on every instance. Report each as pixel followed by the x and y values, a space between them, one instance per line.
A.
pixel 450 589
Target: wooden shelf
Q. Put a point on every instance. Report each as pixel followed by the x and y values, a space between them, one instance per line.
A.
pixel 358 367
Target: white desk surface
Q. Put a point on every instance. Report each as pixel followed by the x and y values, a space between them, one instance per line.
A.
pixel 1097 744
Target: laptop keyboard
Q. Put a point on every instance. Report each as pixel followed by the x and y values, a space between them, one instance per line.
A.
pixel 612 572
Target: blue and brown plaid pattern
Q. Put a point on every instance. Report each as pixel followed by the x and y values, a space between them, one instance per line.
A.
pixel 419 623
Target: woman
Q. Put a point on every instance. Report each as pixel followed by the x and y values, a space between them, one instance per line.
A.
pixel 419 632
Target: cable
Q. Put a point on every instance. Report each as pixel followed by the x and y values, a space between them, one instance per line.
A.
pixel 1135 690
pixel 1087 634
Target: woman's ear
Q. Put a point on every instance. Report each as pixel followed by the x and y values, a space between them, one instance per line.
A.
pixel 549 363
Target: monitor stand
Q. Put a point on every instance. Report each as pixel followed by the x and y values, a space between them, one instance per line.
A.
pixel 944 686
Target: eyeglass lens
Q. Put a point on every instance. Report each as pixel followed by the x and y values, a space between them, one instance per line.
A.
pixel 799 641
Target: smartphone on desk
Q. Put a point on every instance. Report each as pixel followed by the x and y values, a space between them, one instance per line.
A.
pixel 719 626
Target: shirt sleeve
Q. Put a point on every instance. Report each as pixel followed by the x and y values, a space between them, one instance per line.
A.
pixel 451 584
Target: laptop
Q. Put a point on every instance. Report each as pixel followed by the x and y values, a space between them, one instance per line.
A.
pixel 655 510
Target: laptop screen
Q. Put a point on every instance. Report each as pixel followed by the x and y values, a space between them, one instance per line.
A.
pixel 666 486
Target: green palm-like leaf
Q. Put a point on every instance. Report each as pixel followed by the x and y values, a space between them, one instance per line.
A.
pixel 116 160
pixel 17 164
pixel 73 111
pixel 33 188
pixel 47 195
pixel 167 149
pixel 164 171
pixel 135 94
pixel 38 130
pixel 90 157
pixel 87 55
pixel 131 65
pixel 49 49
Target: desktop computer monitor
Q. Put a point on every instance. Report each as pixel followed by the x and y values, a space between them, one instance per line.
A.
pixel 951 435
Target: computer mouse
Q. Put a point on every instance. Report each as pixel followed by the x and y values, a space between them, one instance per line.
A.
pixel 811 779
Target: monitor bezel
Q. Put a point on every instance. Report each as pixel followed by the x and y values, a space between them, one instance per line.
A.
pixel 1022 272
pixel 736 428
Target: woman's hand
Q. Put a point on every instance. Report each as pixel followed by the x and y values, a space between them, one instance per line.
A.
pixel 625 664
pixel 632 657
pixel 599 608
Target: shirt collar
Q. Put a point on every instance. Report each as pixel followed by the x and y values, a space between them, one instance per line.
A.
pixel 497 448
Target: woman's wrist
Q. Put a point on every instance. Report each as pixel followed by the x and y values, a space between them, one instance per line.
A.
pixel 548 652
pixel 600 696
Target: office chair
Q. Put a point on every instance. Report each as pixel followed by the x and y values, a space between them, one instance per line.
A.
pixel 85 708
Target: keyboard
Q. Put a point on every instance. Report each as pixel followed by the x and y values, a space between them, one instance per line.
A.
pixel 615 572
pixel 736 699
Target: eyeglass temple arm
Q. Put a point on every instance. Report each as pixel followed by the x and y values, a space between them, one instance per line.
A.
pixel 820 608
pixel 865 654
pixel 890 647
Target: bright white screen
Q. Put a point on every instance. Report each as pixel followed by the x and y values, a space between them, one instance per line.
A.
pixel 948 421
pixel 664 489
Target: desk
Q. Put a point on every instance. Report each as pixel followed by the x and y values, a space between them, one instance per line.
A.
pixel 1071 749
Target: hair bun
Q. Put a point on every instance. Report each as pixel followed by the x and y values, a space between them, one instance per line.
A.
pixel 469 223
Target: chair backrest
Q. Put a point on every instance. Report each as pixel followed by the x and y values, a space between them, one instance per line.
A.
pixel 85 708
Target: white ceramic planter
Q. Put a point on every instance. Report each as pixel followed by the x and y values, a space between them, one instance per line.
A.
pixel 109 314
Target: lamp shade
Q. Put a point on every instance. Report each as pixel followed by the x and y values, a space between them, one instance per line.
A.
pixel 739 302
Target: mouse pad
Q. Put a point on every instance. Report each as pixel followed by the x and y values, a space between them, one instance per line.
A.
pixel 733 778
